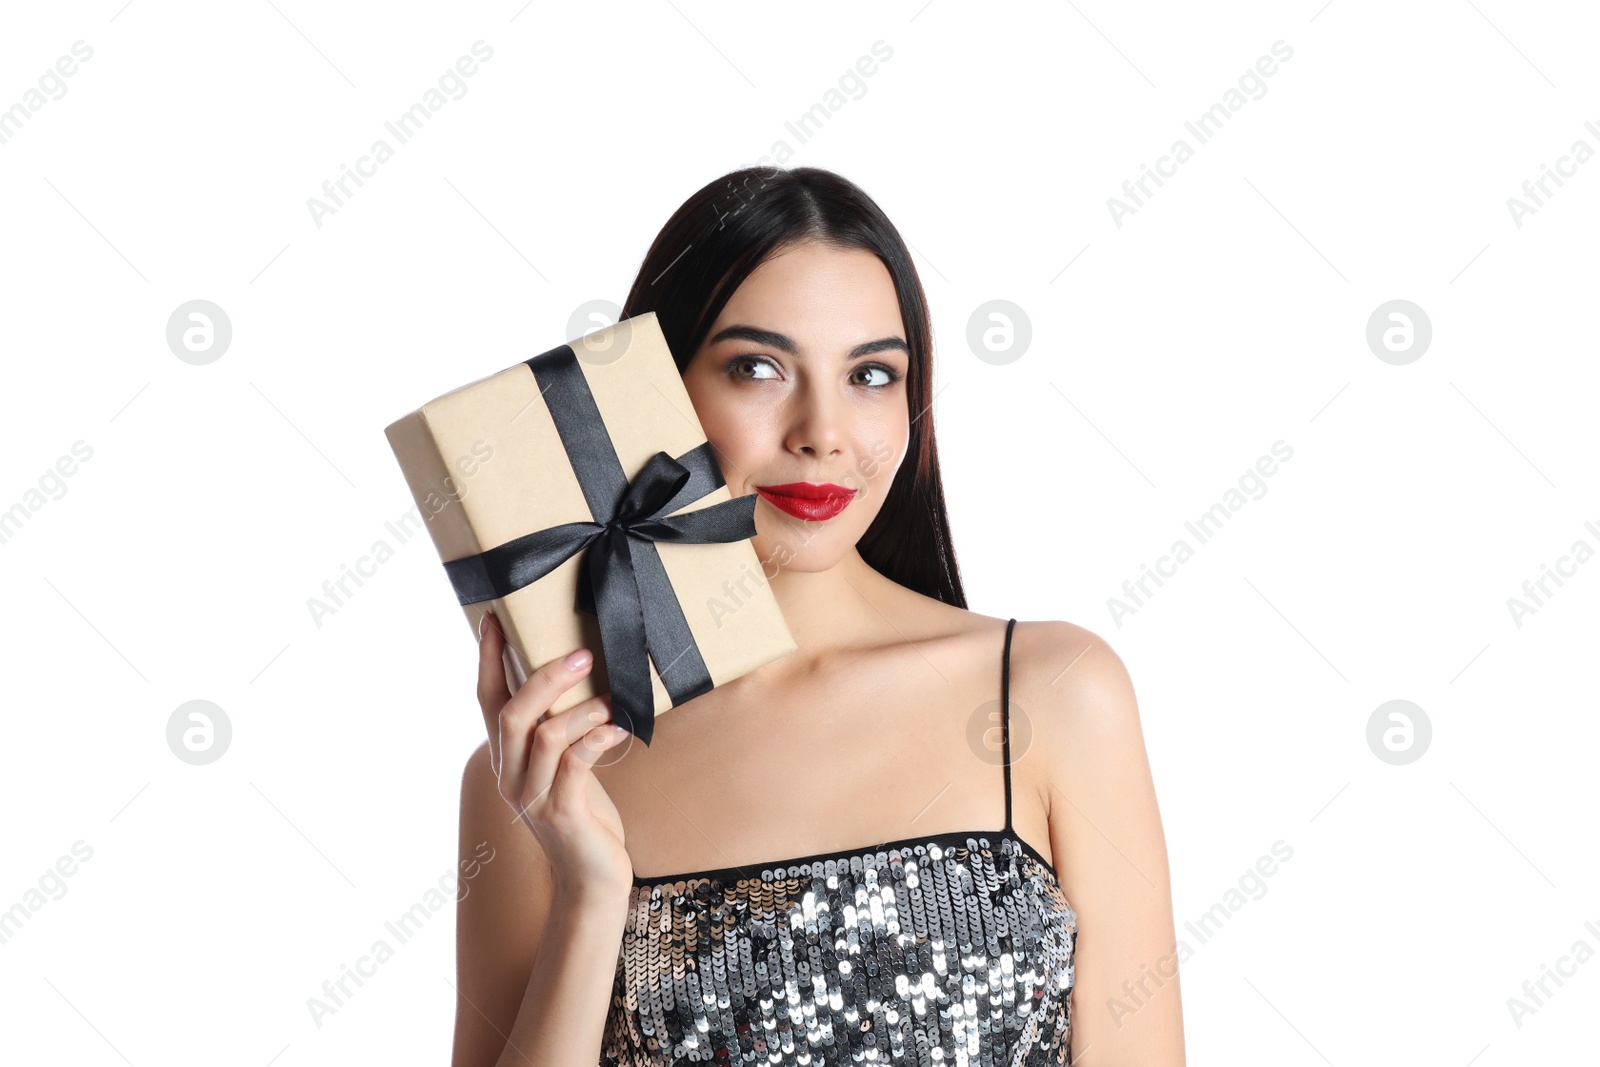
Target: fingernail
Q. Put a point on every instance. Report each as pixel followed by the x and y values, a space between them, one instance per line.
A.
pixel 617 731
pixel 579 659
pixel 483 623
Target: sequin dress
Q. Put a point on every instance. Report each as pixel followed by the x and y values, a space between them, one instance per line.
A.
pixel 949 950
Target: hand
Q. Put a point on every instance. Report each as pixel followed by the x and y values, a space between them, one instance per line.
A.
pixel 544 764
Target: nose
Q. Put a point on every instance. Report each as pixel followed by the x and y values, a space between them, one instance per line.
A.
pixel 817 422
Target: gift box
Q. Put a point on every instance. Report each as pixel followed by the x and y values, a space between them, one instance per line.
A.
pixel 574 494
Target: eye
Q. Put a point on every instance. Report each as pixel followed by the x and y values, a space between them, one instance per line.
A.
pixel 735 367
pixel 889 375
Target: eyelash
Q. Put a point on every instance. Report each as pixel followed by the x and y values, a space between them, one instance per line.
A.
pixel 894 375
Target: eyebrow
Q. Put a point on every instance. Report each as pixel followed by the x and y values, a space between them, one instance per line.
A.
pixel 784 343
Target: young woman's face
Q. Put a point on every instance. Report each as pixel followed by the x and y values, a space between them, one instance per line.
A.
pixel 800 386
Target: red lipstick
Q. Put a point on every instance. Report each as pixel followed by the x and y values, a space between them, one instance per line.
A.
pixel 806 500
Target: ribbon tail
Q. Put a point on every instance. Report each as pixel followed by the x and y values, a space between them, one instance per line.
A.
pixel 622 634
pixel 585 601
pixel 672 646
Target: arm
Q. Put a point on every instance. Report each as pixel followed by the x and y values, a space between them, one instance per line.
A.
pixel 1087 755
pixel 535 961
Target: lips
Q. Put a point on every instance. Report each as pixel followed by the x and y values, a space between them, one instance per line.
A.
pixel 807 500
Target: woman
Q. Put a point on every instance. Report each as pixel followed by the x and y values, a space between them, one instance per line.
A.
pixel 945 782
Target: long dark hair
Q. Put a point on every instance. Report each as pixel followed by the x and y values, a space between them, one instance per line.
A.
pixel 730 227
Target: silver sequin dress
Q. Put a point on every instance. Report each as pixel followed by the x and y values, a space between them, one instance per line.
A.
pixel 949 950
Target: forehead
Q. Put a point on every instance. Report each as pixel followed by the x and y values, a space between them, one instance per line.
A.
pixel 822 297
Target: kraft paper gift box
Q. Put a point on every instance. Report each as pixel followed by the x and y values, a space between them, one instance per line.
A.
pixel 574 494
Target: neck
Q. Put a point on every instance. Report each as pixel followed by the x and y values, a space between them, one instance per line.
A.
pixel 835 608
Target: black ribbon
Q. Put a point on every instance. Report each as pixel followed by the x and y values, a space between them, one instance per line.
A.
pixel 622 582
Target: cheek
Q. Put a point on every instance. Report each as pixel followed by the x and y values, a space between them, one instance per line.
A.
pixel 881 449
pixel 734 441
pixel 718 422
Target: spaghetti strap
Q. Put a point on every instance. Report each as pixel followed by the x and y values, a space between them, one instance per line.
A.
pixel 1005 715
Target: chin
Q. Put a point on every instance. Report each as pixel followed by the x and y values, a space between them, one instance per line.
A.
pixel 796 554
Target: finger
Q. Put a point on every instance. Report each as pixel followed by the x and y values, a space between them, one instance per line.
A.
pixel 554 736
pixel 532 699
pixel 544 686
pixel 570 789
pixel 492 690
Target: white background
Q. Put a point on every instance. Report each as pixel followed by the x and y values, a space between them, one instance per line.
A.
pixel 1168 355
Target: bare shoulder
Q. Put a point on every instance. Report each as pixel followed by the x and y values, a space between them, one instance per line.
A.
pixel 1067 675
pixel 1068 672
pixel 1074 710
pixel 1073 704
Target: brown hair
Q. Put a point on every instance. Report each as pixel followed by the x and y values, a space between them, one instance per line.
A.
pixel 725 231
